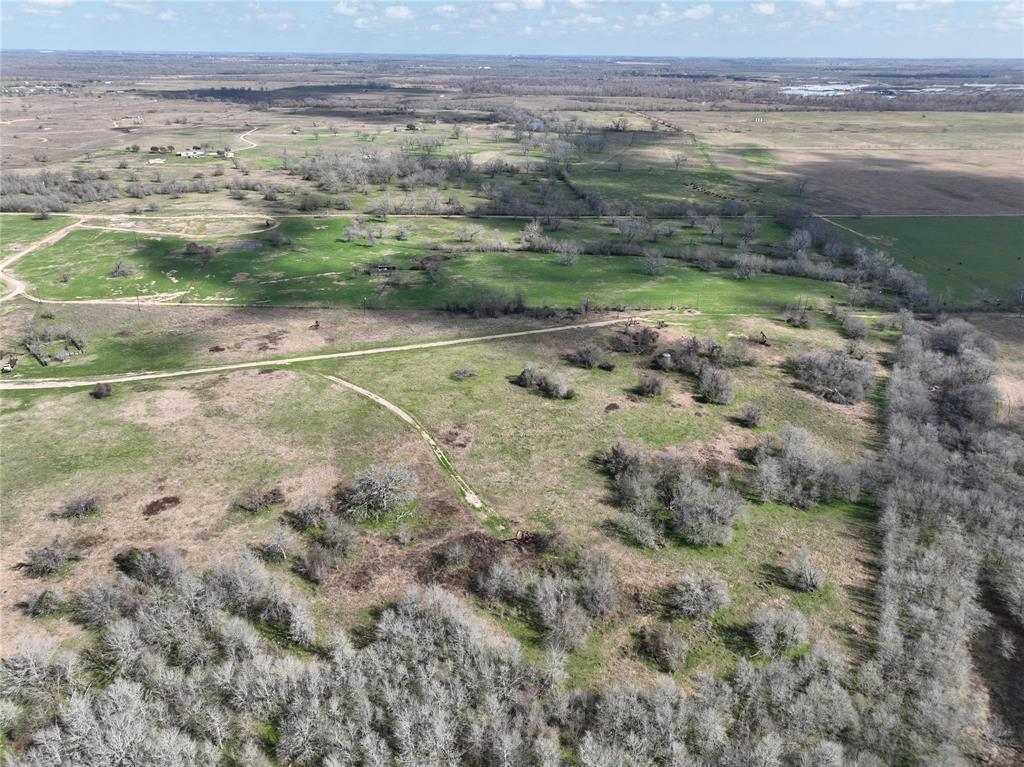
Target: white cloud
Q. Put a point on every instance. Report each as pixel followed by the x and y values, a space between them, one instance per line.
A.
pixel 167 16
pixel 764 9
pixel 53 3
pixel 398 13
pixel 435 27
pixel 532 5
pixel 134 7
pixel 698 11
pixel 666 13
pixel 583 20
pixel 506 6
pixel 361 23
pixel 1009 17
pixel 446 10
pixel 351 7
pixel 579 4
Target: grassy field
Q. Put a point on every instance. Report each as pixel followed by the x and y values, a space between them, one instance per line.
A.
pixel 203 441
pixel 504 439
pixel 125 337
pixel 17 231
pixel 316 266
pixel 961 255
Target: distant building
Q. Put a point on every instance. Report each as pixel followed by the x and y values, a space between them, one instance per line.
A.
pixel 157 161
pixel 191 153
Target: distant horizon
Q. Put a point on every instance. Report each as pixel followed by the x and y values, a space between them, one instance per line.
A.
pixel 415 54
pixel 725 29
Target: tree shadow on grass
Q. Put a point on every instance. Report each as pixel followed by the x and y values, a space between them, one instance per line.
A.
pixel 736 639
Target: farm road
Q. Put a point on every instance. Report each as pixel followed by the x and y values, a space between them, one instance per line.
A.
pixel 72 383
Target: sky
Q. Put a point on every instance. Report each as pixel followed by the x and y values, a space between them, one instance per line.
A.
pixel 726 28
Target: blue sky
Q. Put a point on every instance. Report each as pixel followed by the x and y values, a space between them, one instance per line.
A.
pixel 782 28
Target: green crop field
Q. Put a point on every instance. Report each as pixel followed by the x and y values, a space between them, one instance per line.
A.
pixel 960 255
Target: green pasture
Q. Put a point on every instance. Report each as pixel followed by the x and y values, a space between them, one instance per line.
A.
pixel 24 229
pixel 316 266
pixel 533 459
pixel 970 257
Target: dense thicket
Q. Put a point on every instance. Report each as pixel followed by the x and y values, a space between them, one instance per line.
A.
pixel 225 668
pixel 949 485
pixel 663 493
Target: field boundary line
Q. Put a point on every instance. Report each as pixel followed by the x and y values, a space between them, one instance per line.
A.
pixel 840 226
pixel 73 383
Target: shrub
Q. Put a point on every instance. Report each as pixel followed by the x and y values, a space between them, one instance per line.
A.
pixel 44 602
pixel 715 385
pixel 316 563
pixel 588 356
pixel 48 559
pixel 637 339
pixel 159 565
pixel 835 375
pixel 643 531
pixel 78 506
pixel 339 537
pixel 565 622
pixel 854 327
pixel 752 416
pixel 777 631
pixel 101 391
pixel 309 513
pixel 381 490
pixel 599 592
pixel 737 354
pixel 703 514
pixel 259 499
pixel 504 580
pixel 451 553
pixel 550 385
pixel 699 595
pixel 276 547
pixel 792 467
pixel 121 269
pixel 650 386
pixel 801 573
pixel 798 316
pixel 666 645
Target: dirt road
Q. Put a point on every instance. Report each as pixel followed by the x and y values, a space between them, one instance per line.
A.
pixel 467 492
pixel 17 286
pixel 72 383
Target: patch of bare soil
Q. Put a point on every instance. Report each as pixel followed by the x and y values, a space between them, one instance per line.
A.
pixel 160 504
pixel 458 436
pixel 913 182
pixel 161 408
pixel 1007 330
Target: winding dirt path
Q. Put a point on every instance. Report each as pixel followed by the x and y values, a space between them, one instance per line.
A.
pixel 17 286
pixel 245 137
pixel 73 383
pixel 466 491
